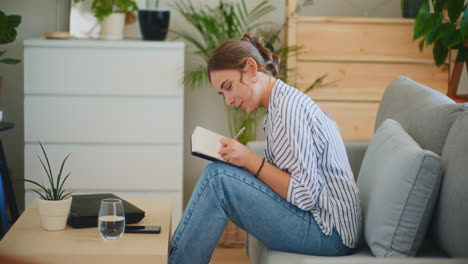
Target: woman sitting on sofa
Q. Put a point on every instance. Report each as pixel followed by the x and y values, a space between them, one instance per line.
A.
pixel 301 198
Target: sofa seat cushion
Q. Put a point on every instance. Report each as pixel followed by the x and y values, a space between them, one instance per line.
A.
pixel 398 184
pixel 259 254
pixel 451 215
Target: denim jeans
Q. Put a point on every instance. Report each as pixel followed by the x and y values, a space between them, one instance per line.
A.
pixel 225 191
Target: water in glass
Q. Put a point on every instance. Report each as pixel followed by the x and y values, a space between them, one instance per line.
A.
pixel 111 221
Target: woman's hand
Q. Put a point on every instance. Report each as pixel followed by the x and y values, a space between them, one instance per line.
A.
pixel 234 152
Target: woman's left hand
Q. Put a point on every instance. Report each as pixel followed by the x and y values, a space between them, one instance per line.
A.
pixel 234 152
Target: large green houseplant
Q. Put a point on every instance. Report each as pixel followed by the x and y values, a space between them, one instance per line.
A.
pixel 445 26
pixel 54 201
pixel 8 25
pixel 230 20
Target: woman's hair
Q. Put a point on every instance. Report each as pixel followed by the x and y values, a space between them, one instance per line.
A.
pixel 233 54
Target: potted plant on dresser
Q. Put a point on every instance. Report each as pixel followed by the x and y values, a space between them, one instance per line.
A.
pixel 113 15
pixel 54 202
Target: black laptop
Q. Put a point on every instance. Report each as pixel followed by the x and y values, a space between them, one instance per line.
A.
pixel 84 210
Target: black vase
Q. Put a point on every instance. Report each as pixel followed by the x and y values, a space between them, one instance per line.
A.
pixel 411 7
pixel 154 24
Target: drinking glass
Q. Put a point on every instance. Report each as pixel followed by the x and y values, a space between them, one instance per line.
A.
pixel 111 222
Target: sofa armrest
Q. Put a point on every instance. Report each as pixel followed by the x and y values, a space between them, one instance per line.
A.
pixel 355 151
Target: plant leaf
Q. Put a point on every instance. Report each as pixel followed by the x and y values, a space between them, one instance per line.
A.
pixel 40 194
pixel 421 45
pixel 464 25
pixel 35 183
pixel 455 8
pixel 462 54
pixel 61 169
pixel 316 83
pixel 63 182
pixel 51 178
pixel 440 53
pixel 451 36
pixel 10 61
pixel 422 21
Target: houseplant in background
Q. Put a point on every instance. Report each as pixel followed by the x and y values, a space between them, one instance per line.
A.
pixel 8 25
pixel 113 14
pixel 54 203
pixel 154 23
pixel 446 27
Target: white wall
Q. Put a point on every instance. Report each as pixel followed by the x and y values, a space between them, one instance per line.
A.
pixel 203 106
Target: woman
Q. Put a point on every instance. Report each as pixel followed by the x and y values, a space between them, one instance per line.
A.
pixel 301 198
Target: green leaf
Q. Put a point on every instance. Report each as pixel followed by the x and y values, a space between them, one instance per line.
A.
pixel 440 53
pixel 464 25
pixel 423 19
pixel 439 5
pixel 433 27
pixel 40 194
pixel 13 20
pixel 316 83
pixel 10 61
pixel 462 54
pixel 61 169
pixel 50 174
pixel 451 36
pixel 421 45
pixel 455 8
pixel 3 23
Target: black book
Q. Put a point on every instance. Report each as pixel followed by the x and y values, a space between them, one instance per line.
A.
pixel 84 211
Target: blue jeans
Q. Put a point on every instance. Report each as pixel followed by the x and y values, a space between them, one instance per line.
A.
pixel 225 191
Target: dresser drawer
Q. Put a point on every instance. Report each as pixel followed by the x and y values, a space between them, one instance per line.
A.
pixel 97 68
pixel 83 119
pixel 110 167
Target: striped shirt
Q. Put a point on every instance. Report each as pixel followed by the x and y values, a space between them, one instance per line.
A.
pixel 305 142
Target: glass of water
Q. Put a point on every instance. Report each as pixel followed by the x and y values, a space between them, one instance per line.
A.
pixel 111 222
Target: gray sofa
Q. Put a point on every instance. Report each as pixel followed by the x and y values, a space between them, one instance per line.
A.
pixel 440 127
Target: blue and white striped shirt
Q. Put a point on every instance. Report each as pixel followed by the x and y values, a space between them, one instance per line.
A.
pixel 306 143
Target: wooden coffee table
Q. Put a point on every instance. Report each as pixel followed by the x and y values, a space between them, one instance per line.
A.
pixel 26 239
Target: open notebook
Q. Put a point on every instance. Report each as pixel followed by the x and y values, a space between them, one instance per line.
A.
pixel 205 144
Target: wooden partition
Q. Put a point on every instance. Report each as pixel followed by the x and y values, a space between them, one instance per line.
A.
pixel 361 57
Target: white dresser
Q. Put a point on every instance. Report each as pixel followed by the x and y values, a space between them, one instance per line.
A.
pixel 116 106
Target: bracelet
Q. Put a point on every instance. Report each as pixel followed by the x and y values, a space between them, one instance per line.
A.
pixel 259 169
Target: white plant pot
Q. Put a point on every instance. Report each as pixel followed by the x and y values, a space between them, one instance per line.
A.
pixel 112 27
pixel 54 214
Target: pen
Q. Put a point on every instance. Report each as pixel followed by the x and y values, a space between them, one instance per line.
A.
pixel 239 133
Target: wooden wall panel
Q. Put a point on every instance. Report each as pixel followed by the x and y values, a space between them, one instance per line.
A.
pixel 364 81
pixel 355 120
pixel 383 39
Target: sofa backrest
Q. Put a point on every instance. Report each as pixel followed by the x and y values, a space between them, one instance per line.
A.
pixel 450 226
pixel 424 113
pixel 438 124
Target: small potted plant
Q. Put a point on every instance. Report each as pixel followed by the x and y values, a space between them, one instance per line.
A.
pixel 54 203
pixel 154 23
pixel 112 15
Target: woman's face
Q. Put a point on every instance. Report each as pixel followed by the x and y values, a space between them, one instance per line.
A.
pixel 237 88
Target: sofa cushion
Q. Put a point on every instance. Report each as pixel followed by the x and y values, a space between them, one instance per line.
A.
pixel 398 184
pixel 424 113
pixel 451 215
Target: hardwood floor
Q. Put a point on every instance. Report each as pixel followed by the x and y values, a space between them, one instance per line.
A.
pixel 229 256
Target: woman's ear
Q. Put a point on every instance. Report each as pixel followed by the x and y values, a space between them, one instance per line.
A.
pixel 251 67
